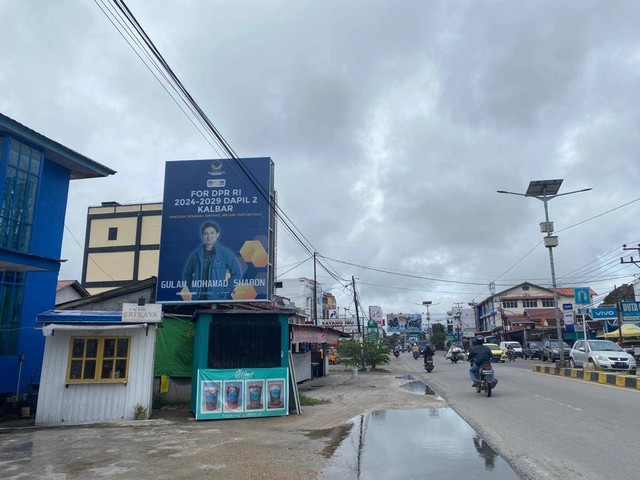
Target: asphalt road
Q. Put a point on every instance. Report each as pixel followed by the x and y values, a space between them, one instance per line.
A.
pixel 546 427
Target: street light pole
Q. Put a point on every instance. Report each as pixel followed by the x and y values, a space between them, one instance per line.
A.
pixel 554 285
pixel 426 305
pixel 546 190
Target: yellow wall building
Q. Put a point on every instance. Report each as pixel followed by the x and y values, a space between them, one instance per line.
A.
pixel 122 245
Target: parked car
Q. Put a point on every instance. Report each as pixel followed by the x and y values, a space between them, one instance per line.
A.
pixel 532 350
pixel 550 351
pixel 496 352
pixel 517 348
pixel 603 354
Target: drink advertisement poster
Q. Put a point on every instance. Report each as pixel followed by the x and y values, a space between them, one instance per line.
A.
pixel 215 244
pixel 242 393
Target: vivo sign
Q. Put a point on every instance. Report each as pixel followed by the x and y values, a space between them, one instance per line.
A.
pixel 602 313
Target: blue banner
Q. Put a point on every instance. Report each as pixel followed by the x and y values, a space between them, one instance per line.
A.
pixel 215 239
pixel 604 312
pixel 241 393
pixel 630 312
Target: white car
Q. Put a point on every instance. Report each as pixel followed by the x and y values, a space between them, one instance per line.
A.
pixel 517 348
pixel 603 354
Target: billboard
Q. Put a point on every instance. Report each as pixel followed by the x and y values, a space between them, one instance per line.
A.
pixel 215 244
pixel 249 392
pixel 375 314
pixel 404 323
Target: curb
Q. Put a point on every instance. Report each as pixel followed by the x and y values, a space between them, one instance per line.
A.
pixel 618 380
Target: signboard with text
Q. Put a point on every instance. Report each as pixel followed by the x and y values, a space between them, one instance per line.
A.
pixel 215 244
pixel 604 312
pixel 150 312
pixel 630 312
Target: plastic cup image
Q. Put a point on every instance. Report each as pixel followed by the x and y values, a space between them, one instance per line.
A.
pixel 211 398
pixel 275 394
pixel 233 395
pixel 255 396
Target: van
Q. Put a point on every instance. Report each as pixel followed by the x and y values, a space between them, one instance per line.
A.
pixel 516 347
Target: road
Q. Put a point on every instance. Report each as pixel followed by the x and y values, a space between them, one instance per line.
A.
pixel 547 427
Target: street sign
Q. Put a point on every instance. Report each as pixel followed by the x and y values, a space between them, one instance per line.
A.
pixel 604 312
pixel 582 296
pixel 630 312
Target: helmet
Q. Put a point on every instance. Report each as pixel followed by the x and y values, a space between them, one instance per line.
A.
pixel 478 340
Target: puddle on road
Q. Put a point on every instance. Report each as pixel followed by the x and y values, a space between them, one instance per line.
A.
pixel 415 444
pixel 406 377
pixel 418 387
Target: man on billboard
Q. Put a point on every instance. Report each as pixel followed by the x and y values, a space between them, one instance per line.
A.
pixel 212 270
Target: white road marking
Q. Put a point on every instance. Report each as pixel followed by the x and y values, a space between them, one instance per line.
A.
pixel 558 403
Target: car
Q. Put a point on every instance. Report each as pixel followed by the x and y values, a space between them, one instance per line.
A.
pixel 550 350
pixel 603 355
pixel 517 348
pixel 532 350
pixel 496 352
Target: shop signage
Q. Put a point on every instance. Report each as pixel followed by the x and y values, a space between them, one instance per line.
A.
pixel 630 312
pixel 149 313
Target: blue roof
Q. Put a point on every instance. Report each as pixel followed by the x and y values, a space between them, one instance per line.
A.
pixel 79 165
pixel 80 316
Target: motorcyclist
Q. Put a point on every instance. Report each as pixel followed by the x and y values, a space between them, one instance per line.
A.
pixel 453 350
pixel 428 353
pixel 415 350
pixel 479 355
pixel 396 350
pixel 511 353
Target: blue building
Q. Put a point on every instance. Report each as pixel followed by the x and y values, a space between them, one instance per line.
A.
pixel 34 183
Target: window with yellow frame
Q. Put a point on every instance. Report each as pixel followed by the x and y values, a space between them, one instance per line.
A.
pixel 98 359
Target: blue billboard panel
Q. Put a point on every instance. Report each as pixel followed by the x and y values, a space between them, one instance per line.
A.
pixel 604 312
pixel 216 222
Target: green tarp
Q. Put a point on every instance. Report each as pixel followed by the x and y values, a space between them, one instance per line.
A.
pixel 174 347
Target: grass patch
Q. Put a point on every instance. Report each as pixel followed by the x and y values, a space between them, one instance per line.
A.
pixel 306 401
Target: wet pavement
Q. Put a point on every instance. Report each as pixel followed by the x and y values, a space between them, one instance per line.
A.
pixel 415 444
pixel 389 444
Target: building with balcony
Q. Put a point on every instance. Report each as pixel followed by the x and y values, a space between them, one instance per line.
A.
pixel 522 311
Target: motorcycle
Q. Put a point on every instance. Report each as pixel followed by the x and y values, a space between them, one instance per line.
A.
pixel 416 354
pixel 396 353
pixel 428 363
pixel 487 379
pixel 511 355
pixel 455 356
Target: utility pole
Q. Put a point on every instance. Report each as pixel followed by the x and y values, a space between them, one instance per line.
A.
pixel 355 300
pixel 314 309
pixel 631 260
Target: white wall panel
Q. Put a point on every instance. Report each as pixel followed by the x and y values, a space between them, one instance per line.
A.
pixel 94 402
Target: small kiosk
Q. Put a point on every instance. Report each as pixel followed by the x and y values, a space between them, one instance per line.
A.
pixel 241 364
pixel 98 365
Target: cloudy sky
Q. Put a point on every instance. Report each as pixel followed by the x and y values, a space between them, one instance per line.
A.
pixel 391 125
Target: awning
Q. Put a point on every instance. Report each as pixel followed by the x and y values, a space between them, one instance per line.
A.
pixel 628 330
pixel 48 330
pixel 311 334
